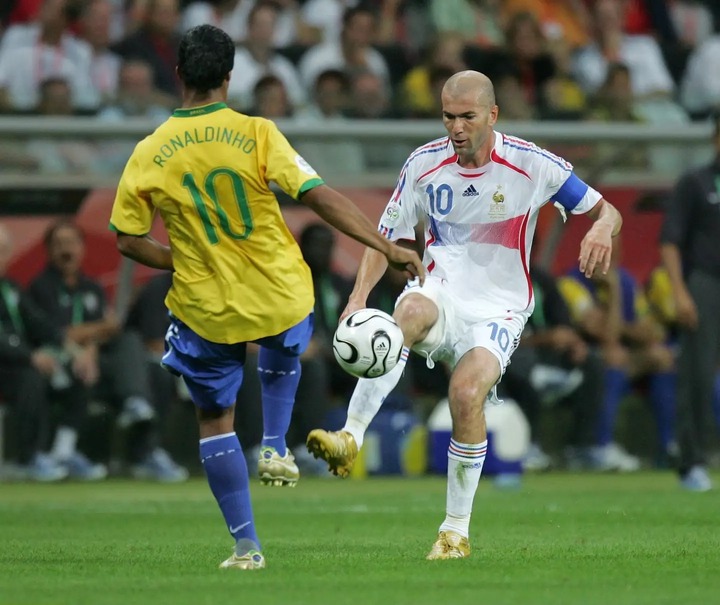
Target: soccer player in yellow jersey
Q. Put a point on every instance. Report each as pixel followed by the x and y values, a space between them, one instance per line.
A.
pixel 238 275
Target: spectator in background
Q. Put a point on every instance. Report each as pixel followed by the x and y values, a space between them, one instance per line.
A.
pixel 353 53
pixel 232 15
pixel 565 99
pixel 478 22
pixel 649 76
pixel 61 156
pixel 94 28
pixel 156 43
pixel 692 21
pixel 148 317
pixel 700 88
pixel 527 56
pixel 134 16
pixel 648 18
pixel 288 28
pixel 229 15
pixel 370 97
pixel 256 58
pixel 566 20
pixel 115 360
pixel 270 99
pixel 29 347
pixel 613 311
pixel 614 100
pixel 553 364
pixel 331 99
pixel 331 104
pixel 438 77
pixel 417 97
pixel 510 96
pixel 137 97
pixel 33 53
pixel 322 20
pixel 691 255
pixel 370 100
pixel 22 11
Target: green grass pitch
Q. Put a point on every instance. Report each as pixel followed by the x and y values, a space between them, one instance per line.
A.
pixel 561 539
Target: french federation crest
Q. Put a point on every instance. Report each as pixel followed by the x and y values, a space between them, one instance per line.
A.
pixel 498 196
pixel 497 209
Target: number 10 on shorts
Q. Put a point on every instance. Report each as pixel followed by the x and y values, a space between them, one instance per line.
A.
pixel 500 335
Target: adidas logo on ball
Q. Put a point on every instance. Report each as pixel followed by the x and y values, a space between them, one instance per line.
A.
pixel 368 343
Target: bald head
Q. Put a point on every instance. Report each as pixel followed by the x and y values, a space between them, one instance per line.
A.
pixel 469 82
pixel 469 114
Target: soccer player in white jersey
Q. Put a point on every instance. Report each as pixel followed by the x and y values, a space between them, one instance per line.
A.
pixel 478 192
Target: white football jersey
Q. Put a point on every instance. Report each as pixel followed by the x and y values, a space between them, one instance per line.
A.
pixel 479 222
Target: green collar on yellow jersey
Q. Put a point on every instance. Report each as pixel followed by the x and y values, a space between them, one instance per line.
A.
pixel 191 112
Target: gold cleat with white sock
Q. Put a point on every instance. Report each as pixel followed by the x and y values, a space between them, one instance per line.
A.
pixel 449 545
pixel 337 448
pixel 276 470
pixel 252 559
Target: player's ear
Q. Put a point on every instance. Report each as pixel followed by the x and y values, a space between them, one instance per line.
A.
pixel 493 116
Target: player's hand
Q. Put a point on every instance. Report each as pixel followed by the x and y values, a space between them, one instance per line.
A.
pixel 406 261
pixel 596 249
pixel 354 304
pixel 44 363
pixel 562 338
pixel 687 314
pixel 579 351
pixel 85 366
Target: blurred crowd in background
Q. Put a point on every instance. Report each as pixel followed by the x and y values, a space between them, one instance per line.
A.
pixel 314 60
pixel 589 344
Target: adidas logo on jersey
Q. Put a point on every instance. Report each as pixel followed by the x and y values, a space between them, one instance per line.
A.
pixel 470 192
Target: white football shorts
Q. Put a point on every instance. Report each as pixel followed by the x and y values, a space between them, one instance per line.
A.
pixel 452 335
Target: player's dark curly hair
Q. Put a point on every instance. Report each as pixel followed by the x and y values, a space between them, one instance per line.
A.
pixel 206 58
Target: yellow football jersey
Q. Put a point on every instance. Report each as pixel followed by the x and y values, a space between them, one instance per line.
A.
pixel 239 274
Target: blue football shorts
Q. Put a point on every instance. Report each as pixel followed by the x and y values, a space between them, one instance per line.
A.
pixel 213 372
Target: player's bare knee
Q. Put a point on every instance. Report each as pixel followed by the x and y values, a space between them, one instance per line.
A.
pixel 467 395
pixel 415 315
pixel 215 421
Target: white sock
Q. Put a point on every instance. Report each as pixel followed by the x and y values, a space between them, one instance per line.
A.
pixel 368 397
pixel 65 443
pixel 465 463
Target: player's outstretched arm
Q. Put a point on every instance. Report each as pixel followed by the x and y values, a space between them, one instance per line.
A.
pixel 145 250
pixel 341 213
pixel 372 267
pixel 596 246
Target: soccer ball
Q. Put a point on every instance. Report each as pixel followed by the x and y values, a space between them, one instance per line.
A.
pixel 368 343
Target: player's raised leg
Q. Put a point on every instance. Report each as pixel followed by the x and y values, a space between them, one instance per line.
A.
pixel 279 378
pixel 416 315
pixel 476 373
